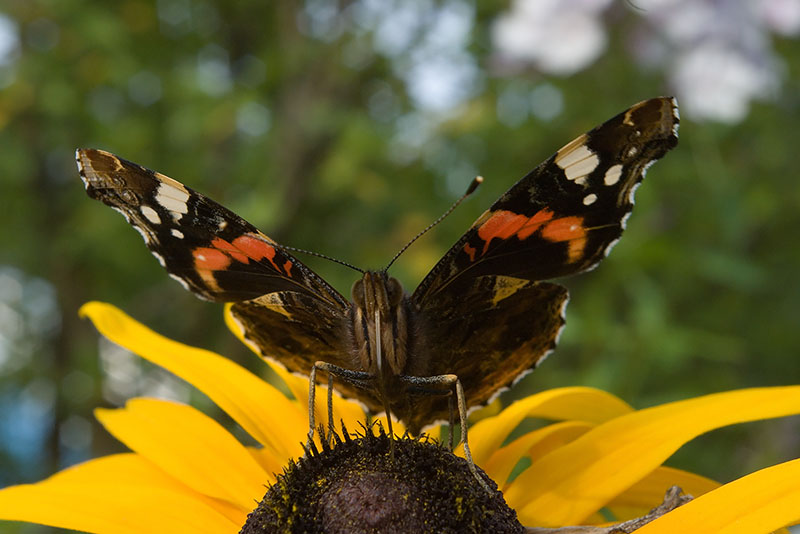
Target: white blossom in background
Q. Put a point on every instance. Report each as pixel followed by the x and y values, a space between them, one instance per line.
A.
pixel 782 16
pixel 716 82
pixel 9 50
pixel 428 44
pixel 716 54
pixel 558 37
pixel 720 52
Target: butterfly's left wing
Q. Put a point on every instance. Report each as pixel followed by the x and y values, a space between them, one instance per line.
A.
pixel 560 219
pixel 206 247
pixel 289 313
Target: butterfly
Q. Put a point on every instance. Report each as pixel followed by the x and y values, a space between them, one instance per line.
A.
pixel 483 317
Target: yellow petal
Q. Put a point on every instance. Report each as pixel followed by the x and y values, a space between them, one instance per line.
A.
pixel 532 445
pixel 265 459
pixel 757 503
pixel 261 410
pixel 398 427
pixel 119 494
pixel 649 492
pixel 189 446
pixel 574 403
pixel 578 479
pixel 347 410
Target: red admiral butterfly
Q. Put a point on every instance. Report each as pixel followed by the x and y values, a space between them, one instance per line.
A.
pixel 482 318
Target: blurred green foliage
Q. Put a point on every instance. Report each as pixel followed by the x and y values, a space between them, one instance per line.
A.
pixel 299 134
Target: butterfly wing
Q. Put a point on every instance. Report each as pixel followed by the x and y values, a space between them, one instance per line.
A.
pixel 496 330
pixel 297 330
pixel 563 217
pixel 560 219
pixel 212 251
pixel 221 257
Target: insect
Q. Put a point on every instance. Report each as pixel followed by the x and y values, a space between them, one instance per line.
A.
pixel 483 317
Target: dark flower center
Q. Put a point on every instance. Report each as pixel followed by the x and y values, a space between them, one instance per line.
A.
pixel 371 483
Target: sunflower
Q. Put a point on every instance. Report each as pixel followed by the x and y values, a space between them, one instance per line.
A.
pixel 598 459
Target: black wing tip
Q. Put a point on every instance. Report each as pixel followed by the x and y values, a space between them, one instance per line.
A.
pixel 670 115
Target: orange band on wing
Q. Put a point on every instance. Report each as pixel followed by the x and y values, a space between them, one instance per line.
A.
pixel 210 259
pixel 254 247
pixel 232 250
pixel 504 224
pixel 258 249
pixel 470 251
pixel 568 229
pixel 564 229
pixel 243 249
pixel 534 223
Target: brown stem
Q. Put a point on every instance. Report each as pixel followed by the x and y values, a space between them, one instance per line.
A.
pixel 672 500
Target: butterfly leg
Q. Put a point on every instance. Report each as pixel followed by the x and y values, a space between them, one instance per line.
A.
pixel 312 391
pixel 357 378
pixel 448 384
pixel 330 408
pixel 312 388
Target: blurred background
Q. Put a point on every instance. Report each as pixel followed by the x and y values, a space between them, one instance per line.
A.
pixel 345 127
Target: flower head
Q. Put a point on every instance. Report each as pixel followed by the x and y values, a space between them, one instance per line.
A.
pixel 186 473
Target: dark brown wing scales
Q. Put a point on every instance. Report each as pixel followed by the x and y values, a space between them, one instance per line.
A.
pixel 563 217
pixel 212 251
pixel 296 330
pixel 490 335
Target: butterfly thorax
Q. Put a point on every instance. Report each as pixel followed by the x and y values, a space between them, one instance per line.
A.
pixel 380 325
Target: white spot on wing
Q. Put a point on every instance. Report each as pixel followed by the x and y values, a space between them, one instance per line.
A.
pixel 127 217
pixel 141 231
pixel 589 199
pixel 647 166
pixel 173 199
pixel 613 174
pixel 577 162
pixel 181 281
pixel 81 169
pixel 634 187
pixel 255 348
pixel 614 242
pixel 176 233
pixel 623 223
pixel 573 156
pixel 160 258
pixel 150 214
pixel 563 313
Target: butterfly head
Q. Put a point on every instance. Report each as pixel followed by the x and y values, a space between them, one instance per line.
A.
pixel 380 342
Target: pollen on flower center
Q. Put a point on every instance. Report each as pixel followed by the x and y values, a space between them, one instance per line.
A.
pixel 376 500
pixel 360 485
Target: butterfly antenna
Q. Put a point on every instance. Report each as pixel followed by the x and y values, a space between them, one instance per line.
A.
pixel 471 189
pixel 323 256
